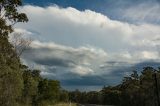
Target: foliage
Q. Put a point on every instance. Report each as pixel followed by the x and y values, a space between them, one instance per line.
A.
pixel 48 90
pixel 135 90
pixel 11 82
pixel 18 84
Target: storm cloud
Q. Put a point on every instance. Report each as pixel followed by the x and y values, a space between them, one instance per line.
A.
pixel 87 47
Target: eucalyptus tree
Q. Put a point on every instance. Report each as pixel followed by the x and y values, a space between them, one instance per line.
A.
pixel 11 83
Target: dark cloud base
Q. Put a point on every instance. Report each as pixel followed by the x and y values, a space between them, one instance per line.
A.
pixel 97 82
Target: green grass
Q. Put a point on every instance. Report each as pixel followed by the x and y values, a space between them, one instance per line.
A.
pixel 65 104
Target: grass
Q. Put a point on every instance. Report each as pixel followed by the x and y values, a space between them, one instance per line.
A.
pixel 65 104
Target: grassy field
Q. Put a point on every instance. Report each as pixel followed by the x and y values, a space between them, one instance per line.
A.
pixel 65 104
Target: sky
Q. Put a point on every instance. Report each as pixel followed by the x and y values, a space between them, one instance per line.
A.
pixel 86 44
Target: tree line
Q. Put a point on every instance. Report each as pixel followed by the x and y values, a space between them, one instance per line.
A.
pixel 19 85
pixel 134 90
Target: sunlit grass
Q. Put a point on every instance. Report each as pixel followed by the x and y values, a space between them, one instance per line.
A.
pixel 65 104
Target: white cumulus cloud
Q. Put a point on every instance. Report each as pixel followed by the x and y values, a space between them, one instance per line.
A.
pixel 86 42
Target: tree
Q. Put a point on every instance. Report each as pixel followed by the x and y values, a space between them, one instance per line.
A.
pixel 48 92
pixel 20 43
pixel 148 86
pixel 110 95
pixel 64 96
pixel 11 83
pixel 130 89
pixel 31 80
pixel 139 90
